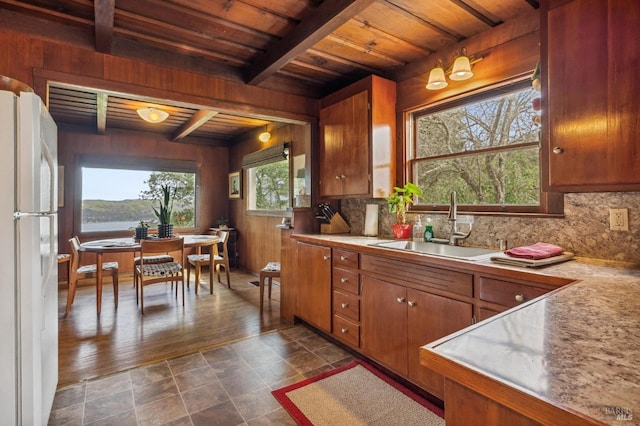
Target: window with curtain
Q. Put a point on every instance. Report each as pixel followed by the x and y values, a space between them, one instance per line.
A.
pixel 268 179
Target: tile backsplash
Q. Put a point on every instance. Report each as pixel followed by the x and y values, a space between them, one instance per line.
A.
pixel 584 229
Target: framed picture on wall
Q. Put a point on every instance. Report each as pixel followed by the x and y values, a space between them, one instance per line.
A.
pixel 235 185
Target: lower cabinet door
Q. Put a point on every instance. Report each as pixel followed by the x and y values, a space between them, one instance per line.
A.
pixel 383 323
pixel 313 301
pixel 431 317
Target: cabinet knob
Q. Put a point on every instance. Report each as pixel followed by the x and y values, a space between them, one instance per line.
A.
pixel 337 177
pixel 343 258
pixel 558 150
pixel 345 305
pixel 400 300
pixel 344 330
pixel 519 297
pixel 325 257
pixel 343 280
pixel 411 303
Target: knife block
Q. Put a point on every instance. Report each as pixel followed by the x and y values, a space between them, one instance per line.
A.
pixel 336 226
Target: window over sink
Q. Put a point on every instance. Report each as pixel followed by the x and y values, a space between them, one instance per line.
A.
pixel 485 147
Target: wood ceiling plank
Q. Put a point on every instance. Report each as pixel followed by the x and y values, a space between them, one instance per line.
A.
pixel 329 16
pixel 435 26
pixel 196 121
pixel 102 101
pixel 104 12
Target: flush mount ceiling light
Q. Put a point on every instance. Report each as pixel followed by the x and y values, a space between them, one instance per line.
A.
pixel 153 115
pixel 265 136
pixel 460 70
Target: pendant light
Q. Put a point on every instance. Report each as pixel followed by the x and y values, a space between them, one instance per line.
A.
pixel 265 136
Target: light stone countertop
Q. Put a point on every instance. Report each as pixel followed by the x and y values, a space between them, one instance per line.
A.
pixel 577 348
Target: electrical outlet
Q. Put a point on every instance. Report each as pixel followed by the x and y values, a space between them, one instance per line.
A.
pixel 619 219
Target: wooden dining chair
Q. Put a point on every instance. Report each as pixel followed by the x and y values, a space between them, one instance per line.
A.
pixel 151 273
pixel 198 260
pixel 161 258
pixel 76 273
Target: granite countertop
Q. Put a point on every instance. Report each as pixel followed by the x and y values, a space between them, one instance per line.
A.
pixel 577 348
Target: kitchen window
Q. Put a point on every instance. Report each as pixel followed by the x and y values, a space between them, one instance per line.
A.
pixel 485 147
pixel 116 199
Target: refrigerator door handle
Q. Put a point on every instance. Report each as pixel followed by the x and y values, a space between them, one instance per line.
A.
pixel 20 215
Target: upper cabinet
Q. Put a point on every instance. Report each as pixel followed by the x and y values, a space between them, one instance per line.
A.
pixel 357 140
pixel 591 68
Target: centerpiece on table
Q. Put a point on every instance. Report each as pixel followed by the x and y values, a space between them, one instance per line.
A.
pixel 163 213
pixel 399 202
pixel 142 230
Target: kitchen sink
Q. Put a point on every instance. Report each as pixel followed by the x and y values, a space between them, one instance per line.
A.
pixel 443 250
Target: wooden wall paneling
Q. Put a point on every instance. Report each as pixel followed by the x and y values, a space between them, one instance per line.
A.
pixel 212 163
pixel 17 55
pixel 508 50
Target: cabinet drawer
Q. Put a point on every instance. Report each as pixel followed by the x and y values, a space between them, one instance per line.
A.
pixel 346 305
pixel 346 280
pixel 346 331
pixel 345 258
pixel 507 293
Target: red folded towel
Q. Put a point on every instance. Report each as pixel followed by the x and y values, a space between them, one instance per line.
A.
pixel 535 251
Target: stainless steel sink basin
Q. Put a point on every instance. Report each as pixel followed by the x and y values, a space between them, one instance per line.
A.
pixel 443 250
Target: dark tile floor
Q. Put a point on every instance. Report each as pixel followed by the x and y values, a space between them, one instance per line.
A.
pixel 226 385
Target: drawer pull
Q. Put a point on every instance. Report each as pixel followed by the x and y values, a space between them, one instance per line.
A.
pixel 345 305
pixel 400 300
pixel 344 258
pixel 558 150
pixel 325 257
pixel 344 330
pixel 411 303
pixel 519 297
pixel 344 280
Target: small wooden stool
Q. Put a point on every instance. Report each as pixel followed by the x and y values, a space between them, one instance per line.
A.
pixel 271 270
pixel 65 258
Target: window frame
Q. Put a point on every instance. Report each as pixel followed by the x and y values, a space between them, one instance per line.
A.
pixel 551 203
pixel 264 157
pixel 131 163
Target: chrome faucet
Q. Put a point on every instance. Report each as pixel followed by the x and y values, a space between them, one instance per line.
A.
pixel 455 235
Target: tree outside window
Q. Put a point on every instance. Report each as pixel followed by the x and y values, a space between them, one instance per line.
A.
pixel 486 149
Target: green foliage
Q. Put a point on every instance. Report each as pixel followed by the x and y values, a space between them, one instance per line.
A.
pixel 401 199
pixel 165 205
pixel 272 186
pixel 183 184
pixel 99 211
pixel 465 143
pixel 143 224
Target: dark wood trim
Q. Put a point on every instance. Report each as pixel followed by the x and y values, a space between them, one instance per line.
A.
pixel 103 11
pixel 197 120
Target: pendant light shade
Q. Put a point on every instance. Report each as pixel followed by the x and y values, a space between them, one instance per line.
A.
pixel 152 115
pixel 461 69
pixel 264 136
pixel 436 79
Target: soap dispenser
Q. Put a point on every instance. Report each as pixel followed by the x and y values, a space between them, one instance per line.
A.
pixel 418 230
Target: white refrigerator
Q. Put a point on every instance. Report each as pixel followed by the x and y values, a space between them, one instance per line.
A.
pixel 28 260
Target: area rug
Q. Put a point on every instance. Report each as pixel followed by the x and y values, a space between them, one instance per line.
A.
pixel 356 394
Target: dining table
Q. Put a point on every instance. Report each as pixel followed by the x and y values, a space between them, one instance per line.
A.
pixel 130 244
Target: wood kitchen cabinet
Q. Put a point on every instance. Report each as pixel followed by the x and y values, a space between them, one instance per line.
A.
pixel 397 321
pixel 346 297
pixel 357 140
pixel 590 69
pixel 313 299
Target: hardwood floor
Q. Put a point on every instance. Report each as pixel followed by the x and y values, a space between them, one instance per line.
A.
pixel 120 339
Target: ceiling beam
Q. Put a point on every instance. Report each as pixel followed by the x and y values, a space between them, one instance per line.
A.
pixel 103 11
pixel 102 100
pixel 329 16
pixel 196 120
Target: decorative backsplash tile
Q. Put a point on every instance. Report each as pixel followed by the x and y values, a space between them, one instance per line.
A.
pixel 584 229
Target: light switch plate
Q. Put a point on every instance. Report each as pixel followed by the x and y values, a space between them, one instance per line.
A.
pixel 619 219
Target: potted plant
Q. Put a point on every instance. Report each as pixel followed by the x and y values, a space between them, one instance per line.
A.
pixel 163 213
pixel 223 223
pixel 142 230
pixel 399 202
